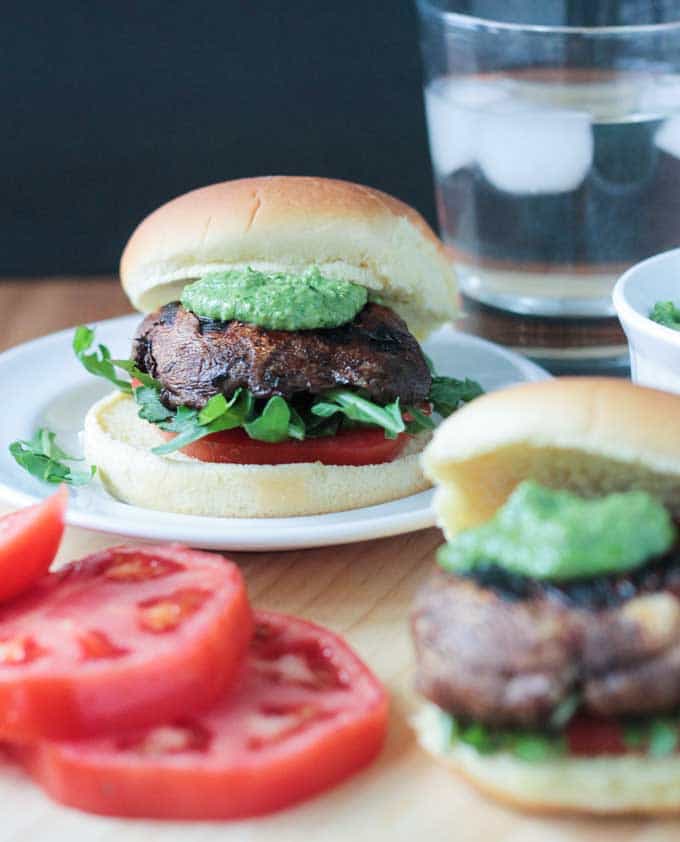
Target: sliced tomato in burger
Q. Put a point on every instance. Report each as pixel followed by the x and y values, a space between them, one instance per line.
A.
pixel 360 446
pixel 305 714
pixel 589 736
pixel 126 637
pixel 29 540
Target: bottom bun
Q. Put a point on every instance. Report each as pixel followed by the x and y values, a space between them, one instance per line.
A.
pixel 612 785
pixel 119 443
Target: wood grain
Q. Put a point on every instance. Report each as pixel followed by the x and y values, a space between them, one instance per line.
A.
pixel 32 307
pixel 362 591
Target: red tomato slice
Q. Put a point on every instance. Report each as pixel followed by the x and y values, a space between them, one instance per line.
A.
pixel 588 736
pixel 127 637
pixel 305 714
pixel 361 446
pixel 29 540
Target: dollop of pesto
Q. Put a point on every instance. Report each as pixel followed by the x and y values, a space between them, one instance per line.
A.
pixel 557 535
pixel 277 300
pixel 667 314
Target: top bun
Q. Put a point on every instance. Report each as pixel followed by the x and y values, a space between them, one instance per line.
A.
pixel 286 223
pixel 589 435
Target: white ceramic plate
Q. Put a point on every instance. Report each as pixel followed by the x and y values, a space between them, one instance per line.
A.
pixel 44 385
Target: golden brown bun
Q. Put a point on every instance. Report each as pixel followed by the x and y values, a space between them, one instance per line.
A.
pixel 607 785
pixel 286 223
pixel 590 435
pixel 119 443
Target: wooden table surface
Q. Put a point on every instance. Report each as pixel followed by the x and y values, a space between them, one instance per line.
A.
pixel 362 591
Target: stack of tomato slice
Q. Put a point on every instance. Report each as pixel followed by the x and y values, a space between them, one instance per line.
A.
pixel 137 682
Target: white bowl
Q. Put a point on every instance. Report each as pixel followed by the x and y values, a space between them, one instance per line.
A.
pixel 654 349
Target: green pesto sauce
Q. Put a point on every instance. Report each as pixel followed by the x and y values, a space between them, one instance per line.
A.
pixel 556 535
pixel 667 314
pixel 276 301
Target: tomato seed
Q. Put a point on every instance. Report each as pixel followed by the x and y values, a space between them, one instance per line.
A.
pixel 166 613
pixel 169 739
pixel 20 650
pixel 308 665
pixel 138 568
pixel 275 723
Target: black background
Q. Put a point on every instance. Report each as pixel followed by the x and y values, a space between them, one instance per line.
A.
pixel 111 108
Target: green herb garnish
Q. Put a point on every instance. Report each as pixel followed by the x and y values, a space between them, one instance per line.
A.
pixel 359 409
pixel 531 746
pixel 635 734
pixel 418 421
pixel 44 459
pixel 149 405
pixel 667 314
pixel 448 394
pixel 274 423
pixel 98 362
pixel 663 737
pixel 217 415
pixel 656 736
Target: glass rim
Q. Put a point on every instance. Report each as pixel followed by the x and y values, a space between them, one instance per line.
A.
pixel 465 21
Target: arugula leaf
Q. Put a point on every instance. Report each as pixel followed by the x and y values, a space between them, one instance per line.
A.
pixel 273 424
pixel 217 415
pixel 149 406
pixel 658 735
pixel 447 394
pixel 131 368
pixel 44 459
pixel 534 747
pixel 239 409
pixel 317 426
pixel 663 737
pixel 296 426
pixel 531 746
pixel 99 362
pixel 356 408
pixel 187 427
pixel 216 406
pixel 419 421
pixel 477 735
pixel 635 734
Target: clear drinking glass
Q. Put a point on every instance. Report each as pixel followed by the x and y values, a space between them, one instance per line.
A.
pixel 555 141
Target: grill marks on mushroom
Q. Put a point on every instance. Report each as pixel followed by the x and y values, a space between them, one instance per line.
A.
pixel 196 358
